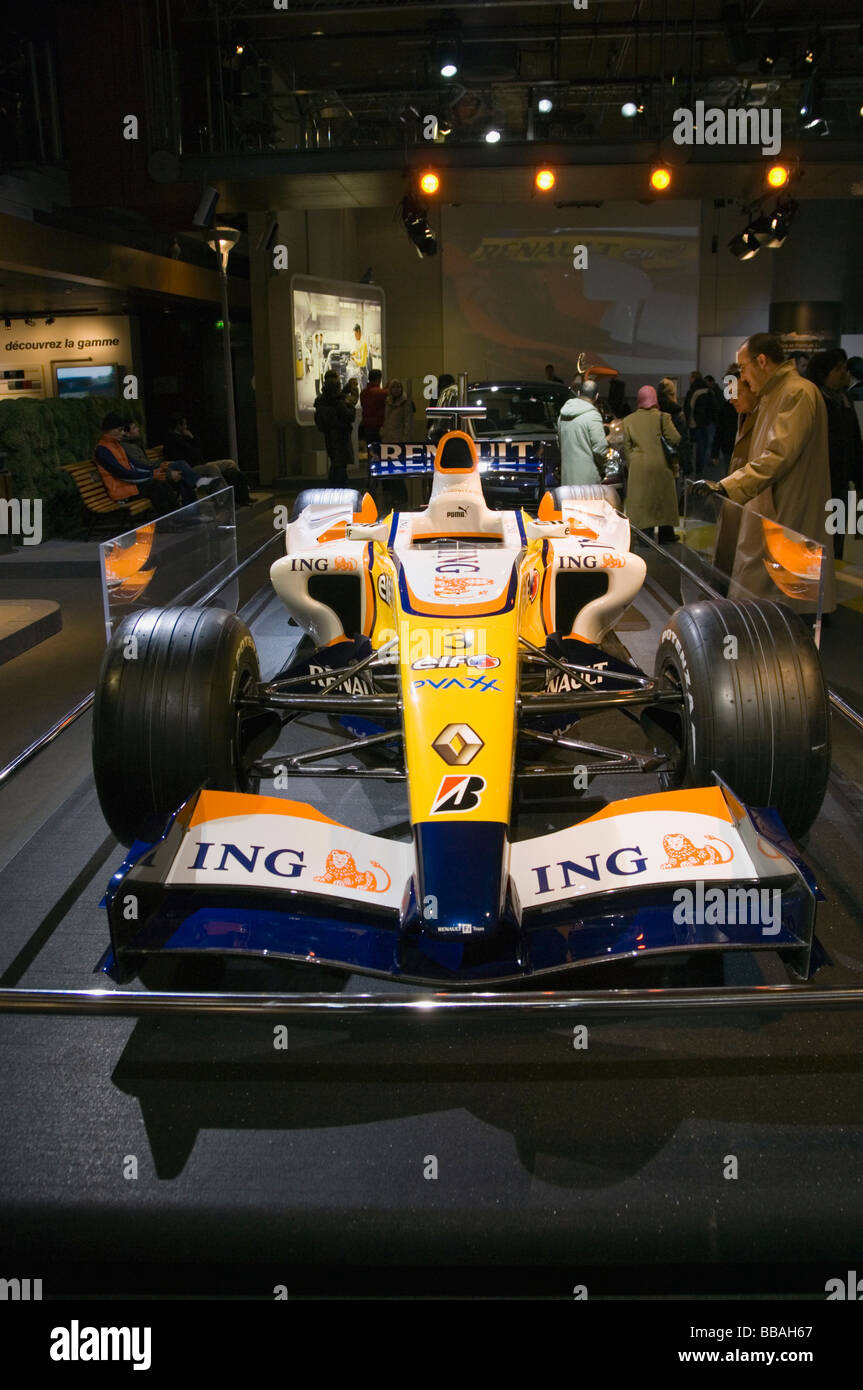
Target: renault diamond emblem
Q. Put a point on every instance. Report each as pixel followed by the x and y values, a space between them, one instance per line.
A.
pixel 457 744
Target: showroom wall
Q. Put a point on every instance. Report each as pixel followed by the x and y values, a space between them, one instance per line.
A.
pixel 97 339
pixel 426 325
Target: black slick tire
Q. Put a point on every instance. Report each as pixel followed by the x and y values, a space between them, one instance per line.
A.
pixel 755 710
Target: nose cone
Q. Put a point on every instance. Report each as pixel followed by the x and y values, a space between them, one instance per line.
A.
pixel 461 877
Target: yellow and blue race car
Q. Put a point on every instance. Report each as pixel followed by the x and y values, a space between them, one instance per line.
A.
pixel 462 652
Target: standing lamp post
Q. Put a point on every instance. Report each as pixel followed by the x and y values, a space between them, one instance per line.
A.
pixel 223 240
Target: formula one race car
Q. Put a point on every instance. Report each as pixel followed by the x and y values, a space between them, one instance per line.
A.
pixel 454 644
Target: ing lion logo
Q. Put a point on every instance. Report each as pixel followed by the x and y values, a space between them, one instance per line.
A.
pixel 613 562
pixel 681 851
pixel 342 869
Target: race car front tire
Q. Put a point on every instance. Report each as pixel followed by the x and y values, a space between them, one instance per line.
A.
pixel 755 706
pixel 166 719
pixel 326 497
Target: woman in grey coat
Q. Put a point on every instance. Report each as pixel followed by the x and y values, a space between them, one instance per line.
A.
pixel 651 497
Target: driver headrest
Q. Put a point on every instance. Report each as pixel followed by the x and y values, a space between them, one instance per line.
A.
pixel 455 454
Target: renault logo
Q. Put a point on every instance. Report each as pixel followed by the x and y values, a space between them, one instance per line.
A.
pixel 457 744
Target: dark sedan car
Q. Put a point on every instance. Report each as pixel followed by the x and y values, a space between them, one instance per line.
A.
pixel 522 416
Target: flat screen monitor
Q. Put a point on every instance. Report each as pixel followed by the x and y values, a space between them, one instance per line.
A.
pixel 85 379
pixel 337 327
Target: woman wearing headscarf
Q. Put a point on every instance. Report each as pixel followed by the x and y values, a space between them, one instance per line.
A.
pixel 830 373
pixel 398 415
pixel 651 497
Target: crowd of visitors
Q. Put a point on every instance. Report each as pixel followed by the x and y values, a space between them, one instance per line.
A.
pixel 183 476
pixel 383 415
pixel 778 443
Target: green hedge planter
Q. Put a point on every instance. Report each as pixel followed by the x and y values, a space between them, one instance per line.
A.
pixel 38 437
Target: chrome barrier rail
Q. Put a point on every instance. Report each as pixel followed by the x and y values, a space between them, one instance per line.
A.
pixel 611 1003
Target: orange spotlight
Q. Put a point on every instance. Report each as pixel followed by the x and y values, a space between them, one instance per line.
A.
pixel 429 183
pixel 777 176
pixel 544 180
pixel 660 178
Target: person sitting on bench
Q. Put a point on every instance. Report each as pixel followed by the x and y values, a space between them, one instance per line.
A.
pixel 180 443
pixel 123 478
pixel 192 479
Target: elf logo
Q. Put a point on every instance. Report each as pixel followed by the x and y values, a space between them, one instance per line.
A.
pixel 458 794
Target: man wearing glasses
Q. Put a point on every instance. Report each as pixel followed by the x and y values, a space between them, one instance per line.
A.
pixel 787 475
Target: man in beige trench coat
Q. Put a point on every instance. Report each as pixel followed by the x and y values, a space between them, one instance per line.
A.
pixel 787 475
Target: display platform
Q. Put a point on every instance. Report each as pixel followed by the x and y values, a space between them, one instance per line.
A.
pixel 307 1165
pixel 24 623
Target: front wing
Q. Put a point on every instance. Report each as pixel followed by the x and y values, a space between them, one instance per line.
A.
pixel 674 872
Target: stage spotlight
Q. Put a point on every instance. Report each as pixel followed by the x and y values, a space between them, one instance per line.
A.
pixel 417 227
pixel 812 104
pixel 447 49
pixel 745 245
pixel 629 109
pixel 777 175
pixel 430 183
pixel 780 224
pixel 544 180
pixel 492 135
pixel 660 178
pixel 761 228
pixel 544 105
pixel 49 320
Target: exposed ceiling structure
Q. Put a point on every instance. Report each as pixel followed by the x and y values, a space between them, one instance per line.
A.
pixel 355 75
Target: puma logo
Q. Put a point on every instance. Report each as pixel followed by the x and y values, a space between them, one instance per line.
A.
pixel 342 869
pixel 681 850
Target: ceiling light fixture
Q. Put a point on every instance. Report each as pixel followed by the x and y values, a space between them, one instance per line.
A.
pixel 812 103
pixel 446 45
pixel 416 225
pixel 744 245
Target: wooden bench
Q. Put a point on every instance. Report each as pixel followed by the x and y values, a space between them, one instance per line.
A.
pixel 100 506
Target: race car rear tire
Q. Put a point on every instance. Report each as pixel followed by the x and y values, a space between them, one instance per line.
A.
pixel 166 719
pixel 326 497
pixel 586 492
pixel 756 710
